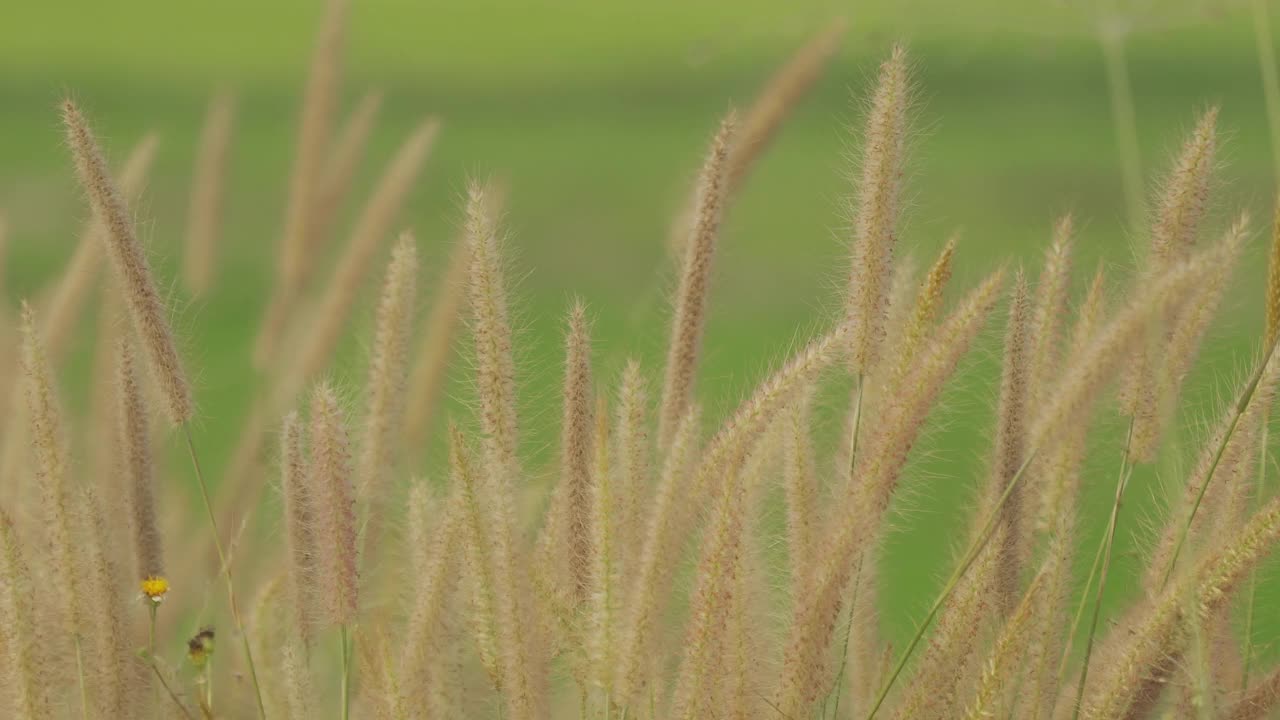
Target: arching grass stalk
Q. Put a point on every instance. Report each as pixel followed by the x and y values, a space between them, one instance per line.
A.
pixel 151 663
pixel 1108 540
pixel 966 562
pixel 226 568
pixel 1124 118
pixel 1270 83
pixel 1253 576
pixel 1241 405
pixel 346 673
pixel 84 694
pixel 857 574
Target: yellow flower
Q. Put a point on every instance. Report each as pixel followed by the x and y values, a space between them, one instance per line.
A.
pixel 155 588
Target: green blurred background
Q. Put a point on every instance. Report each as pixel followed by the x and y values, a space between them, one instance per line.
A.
pixel 596 114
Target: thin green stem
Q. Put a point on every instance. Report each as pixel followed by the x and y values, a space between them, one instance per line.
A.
pixel 152 609
pixel 1253 576
pixel 226 569
pixel 151 663
pixel 970 556
pixel 1108 541
pixel 1084 603
pixel 208 683
pixel 346 673
pixel 1270 83
pixel 1241 405
pixel 856 425
pixel 1124 119
pixel 84 694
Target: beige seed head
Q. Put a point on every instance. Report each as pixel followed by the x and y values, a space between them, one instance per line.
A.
pixel 1011 444
pixel 778 98
pixel 632 459
pixel 64 308
pixel 134 440
pixel 46 434
pixel 208 194
pixel 876 210
pixel 386 386
pixel 299 497
pixel 343 162
pixel 813 618
pixel 578 447
pixel 335 524
pixel 436 349
pixel 491 333
pixel 1185 195
pixel 297 245
pixel 26 669
pixel 666 527
pixel 352 267
pixel 1050 309
pixel 1273 282
pixel 689 320
pixel 132 270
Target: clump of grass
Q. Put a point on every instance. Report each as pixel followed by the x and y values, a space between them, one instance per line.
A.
pixel 640 587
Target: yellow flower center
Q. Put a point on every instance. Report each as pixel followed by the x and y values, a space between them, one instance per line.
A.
pixel 155 588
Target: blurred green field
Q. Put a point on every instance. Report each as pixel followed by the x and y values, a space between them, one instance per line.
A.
pixel 597 114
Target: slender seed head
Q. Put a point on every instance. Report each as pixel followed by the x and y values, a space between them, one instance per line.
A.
pixel 64 308
pixel 352 268
pixel 26 672
pixel 780 95
pixel 491 331
pixel 876 210
pixel 578 448
pixel 46 433
pixel 134 439
pixel 299 523
pixel 689 320
pixel 388 367
pixel 1045 333
pixel 335 524
pixel 208 193
pixel 1184 199
pixel 343 162
pixel 132 270
pixel 1273 282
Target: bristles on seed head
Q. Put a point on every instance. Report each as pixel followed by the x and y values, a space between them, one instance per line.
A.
pixel 814 617
pixel 436 348
pixel 1011 443
pixel 46 434
pixel 370 231
pixel 1050 309
pixel 1182 344
pixel 299 523
pixel 577 447
pixel 334 510
pixel 297 246
pixel 491 332
pixel 139 287
pixel 26 669
pixel 134 439
pixel 1273 281
pixel 668 522
pixel 876 210
pixel 780 95
pixel 208 192
pixel 1184 199
pixel 387 370
pixel 343 162
pixel 689 320
pixel 63 311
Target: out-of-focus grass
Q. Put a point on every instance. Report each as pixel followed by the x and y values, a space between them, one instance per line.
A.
pixel 596 115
